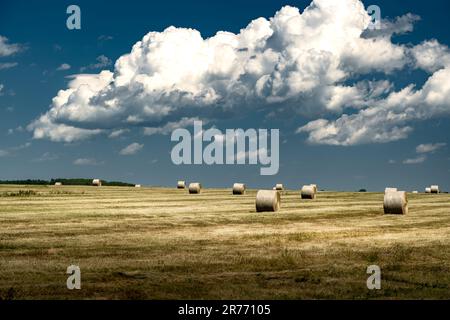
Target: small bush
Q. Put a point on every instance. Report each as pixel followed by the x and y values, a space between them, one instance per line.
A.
pixel 20 193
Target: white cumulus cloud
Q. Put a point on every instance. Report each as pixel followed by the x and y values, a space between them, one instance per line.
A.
pixel 416 160
pixel 8 65
pixel 63 67
pixel 131 149
pixel 102 62
pixel 4 153
pixel 117 133
pixel 86 162
pixel 8 49
pixel 388 119
pixel 304 64
pixel 430 147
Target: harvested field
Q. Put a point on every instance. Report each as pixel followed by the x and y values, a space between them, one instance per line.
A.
pixel 159 243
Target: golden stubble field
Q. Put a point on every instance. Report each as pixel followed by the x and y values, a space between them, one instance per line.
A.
pixel 159 243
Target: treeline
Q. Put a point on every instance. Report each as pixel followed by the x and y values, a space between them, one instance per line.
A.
pixel 66 182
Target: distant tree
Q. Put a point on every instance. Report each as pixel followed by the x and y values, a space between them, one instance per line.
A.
pixel 362 190
pixel 25 182
pixel 66 182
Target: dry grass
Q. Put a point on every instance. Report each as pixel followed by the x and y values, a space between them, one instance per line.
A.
pixel 164 243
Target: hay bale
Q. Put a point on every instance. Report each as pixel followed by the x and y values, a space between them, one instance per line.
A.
pixel 415 191
pixel 267 200
pixel 194 188
pixel 308 192
pixel 390 190
pixel 97 182
pixel 279 187
pixel 239 188
pixel 137 186
pixel 434 189
pixel 427 190
pixel 58 184
pixel 395 202
pixel 181 184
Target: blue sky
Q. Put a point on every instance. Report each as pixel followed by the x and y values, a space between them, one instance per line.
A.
pixel 43 54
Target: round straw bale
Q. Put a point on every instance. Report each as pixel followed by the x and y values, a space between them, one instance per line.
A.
pixel 267 200
pixel 308 192
pixel 137 186
pixel 390 190
pixel 427 190
pixel 434 189
pixel 181 184
pixel 58 184
pixel 97 182
pixel 415 191
pixel 195 187
pixel 395 202
pixel 239 188
pixel 279 187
